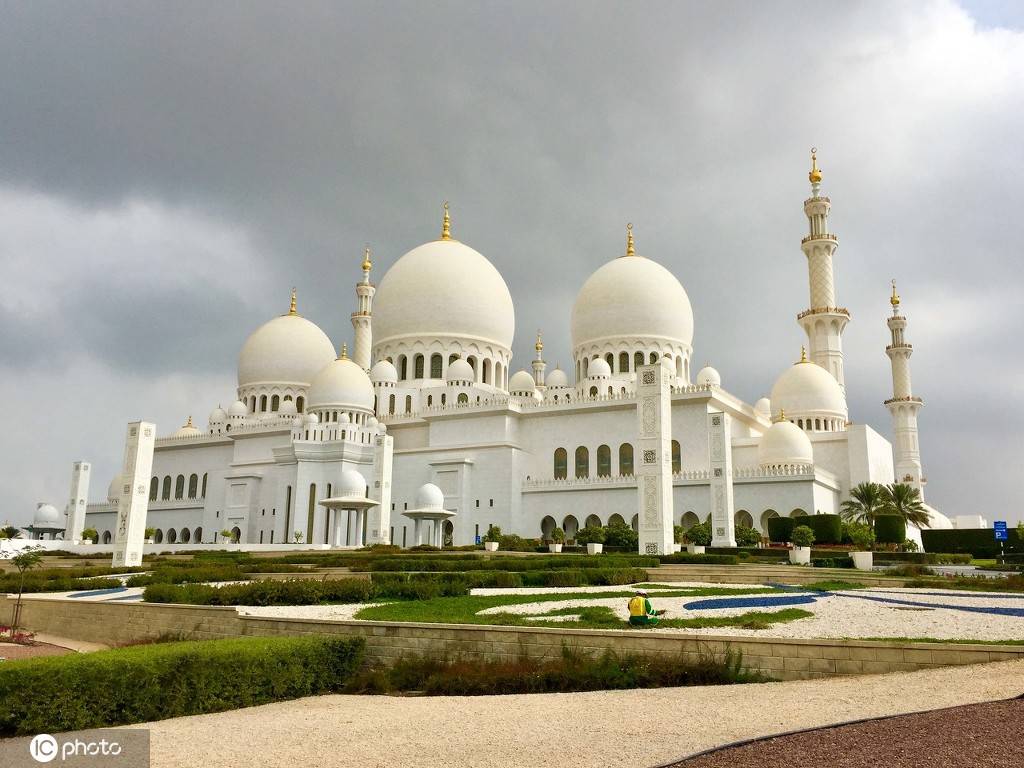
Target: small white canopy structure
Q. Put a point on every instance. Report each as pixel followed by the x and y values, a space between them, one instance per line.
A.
pixel 429 506
pixel 351 496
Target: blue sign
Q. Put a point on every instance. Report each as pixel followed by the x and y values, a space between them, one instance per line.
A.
pixel 1000 528
pixel 477 539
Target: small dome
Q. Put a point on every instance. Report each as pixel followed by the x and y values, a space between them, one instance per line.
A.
pixel 808 389
pixel 784 443
pixel 372 422
pixel 383 372
pixel 557 378
pixel 429 496
pixel 114 490
pixel 598 369
pixel 46 516
pixel 188 430
pixel 238 408
pixel 708 375
pixel 287 408
pixel 343 418
pixel 521 381
pixel 764 407
pixel 312 419
pixel 297 421
pixel 382 429
pixel 218 416
pixel 460 370
pixel 287 350
pixel 352 485
pixel 341 384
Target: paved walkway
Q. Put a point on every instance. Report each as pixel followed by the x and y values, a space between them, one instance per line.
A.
pixel 607 728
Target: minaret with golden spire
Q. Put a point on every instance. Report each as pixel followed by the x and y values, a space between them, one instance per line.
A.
pixel 824 321
pixel 539 366
pixel 903 405
pixel 362 318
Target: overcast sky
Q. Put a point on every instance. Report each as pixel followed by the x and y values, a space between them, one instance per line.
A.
pixel 168 171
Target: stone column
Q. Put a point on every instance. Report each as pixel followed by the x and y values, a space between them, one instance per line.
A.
pixel 416 532
pixel 78 499
pixel 653 462
pixel 379 528
pixel 723 529
pixel 134 499
pixel 337 541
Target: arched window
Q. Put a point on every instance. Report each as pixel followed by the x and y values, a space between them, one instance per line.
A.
pixel 626 459
pixel 638 360
pixel 817 424
pixel 193 486
pixel 252 404
pixel 430 400
pixel 586 367
pixel 106 537
pixel 582 462
pixel 403 367
pixel 689 520
pixel 743 518
pixel 236 535
pixel 472 364
pixel 300 403
pixel 166 491
pixel 463 398
pixel 154 488
pixel 287 398
pixel 592 521
pixel 452 359
pixel 677 459
pixel 408 403
pixel 275 403
pixel 186 535
pixel 610 359
pixel 391 404
pixel 179 487
pixel 635 523
pixel 577 370
pixel 623 362
pixel 417 367
pixel 197 537
pixel 204 484
pixel 654 358
pixel 444 399
pixel 547 525
pixel 570 525
pixel 158 536
pixel 487 371
pixel 263 403
pixel 561 462
pixel 604 461
pixel 616 519
pixel 679 367
pixel 499 380
pixel 436 364
pixel 172 536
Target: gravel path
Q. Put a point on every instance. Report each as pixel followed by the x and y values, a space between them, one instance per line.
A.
pixel 606 729
pixel 975 735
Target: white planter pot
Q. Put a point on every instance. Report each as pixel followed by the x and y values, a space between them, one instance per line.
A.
pixel 554 547
pixel 677 547
pixel 150 541
pixel 695 549
pixel 800 555
pixel 863 561
pixel 595 549
pixel 491 546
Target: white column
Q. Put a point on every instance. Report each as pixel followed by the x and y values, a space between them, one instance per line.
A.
pixel 653 463
pixel 723 529
pixel 78 499
pixel 338 530
pixel 134 498
pixel 416 532
pixel 379 527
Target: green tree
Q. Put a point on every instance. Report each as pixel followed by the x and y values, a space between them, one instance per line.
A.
pixel 10 531
pixel 864 505
pixel 24 561
pixel 905 500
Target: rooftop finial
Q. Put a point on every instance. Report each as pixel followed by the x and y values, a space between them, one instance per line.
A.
pixel 292 308
pixel 895 298
pixel 781 416
pixel 630 250
pixel 367 263
pixel 815 174
pixel 803 354
pixel 189 422
pixel 540 344
pixel 446 225
pixel 344 352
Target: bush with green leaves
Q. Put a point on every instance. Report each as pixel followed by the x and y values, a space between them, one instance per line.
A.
pixel 828 529
pixel 862 536
pixel 621 536
pixel 747 537
pixel 780 529
pixel 493 533
pixel 802 536
pixel 266 592
pixel 700 534
pixel 695 559
pixel 890 529
pixel 90 534
pixel 162 680
pixel 678 534
pixel 558 536
pixel 592 534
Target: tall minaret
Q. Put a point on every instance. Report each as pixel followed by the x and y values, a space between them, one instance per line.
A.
pixel 361 318
pixel 539 366
pixel 903 405
pixel 823 322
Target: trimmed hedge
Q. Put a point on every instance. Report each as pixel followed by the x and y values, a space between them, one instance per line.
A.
pixel 519 564
pixel 922 558
pixel 780 528
pixel 265 592
pixel 686 557
pixel 980 542
pixel 890 529
pixel 155 682
pixel 828 529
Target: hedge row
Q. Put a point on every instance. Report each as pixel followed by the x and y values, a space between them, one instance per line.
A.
pixel 265 592
pixel 686 557
pixel 555 562
pixel 890 529
pixel 828 529
pixel 155 682
pixel 980 542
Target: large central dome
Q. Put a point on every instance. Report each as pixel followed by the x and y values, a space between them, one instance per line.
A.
pixel 443 289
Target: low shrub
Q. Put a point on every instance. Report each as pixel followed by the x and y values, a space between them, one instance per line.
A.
pixel 890 529
pixel 832 562
pixel 592 534
pixel 828 529
pixel 747 537
pixel 802 536
pixel 780 528
pixel 621 536
pixel 687 558
pixel 155 682
pixel 910 569
pixel 979 542
pixel 700 534
pixel 552 562
pixel 264 592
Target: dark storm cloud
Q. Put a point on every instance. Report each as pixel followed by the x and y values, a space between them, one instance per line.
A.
pixel 297 132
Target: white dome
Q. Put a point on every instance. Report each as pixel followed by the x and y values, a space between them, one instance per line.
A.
pixel 341 384
pixel 632 297
pixel 288 408
pixel 785 443
pixel 521 381
pixel 708 375
pixel 429 496
pixel 443 288
pixel 46 516
pixel 218 416
pixel 287 350
pixel 557 378
pixel 460 370
pixel 343 418
pixel 764 407
pixel 114 489
pixel 352 485
pixel 807 388
pixel 312 419
pixel 238 408
pixel 188 430
pixel 383 371
pixel 372 422
pixel 598 369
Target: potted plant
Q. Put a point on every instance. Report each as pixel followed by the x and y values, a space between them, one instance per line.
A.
pixel 297 537
pixel 802 537
pixel 863 538
pixel 89 535
pixel 678 537
pixel 557 540
pixel 491 538
pixel 150 533
pixel 227 536
pixel 698 538
pixel 593 536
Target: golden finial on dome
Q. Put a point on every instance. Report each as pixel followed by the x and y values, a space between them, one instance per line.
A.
pixel 803 354
pixel 540 343
pixel 895 298
pixel 446 224
pixel 344 351
pixel 189 422
pixel 292 308
pixel 781 416
pixel 630 250
pixel 367 263
pixel 815 174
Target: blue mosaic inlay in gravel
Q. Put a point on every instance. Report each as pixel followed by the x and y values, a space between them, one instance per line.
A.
pixel 995 611
pixel 98 592
pixel 753 601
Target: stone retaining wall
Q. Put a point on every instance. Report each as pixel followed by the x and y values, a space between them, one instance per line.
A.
pixel 116 623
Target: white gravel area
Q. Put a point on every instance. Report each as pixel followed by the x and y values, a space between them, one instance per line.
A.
pixel 341 612
pixel 601 729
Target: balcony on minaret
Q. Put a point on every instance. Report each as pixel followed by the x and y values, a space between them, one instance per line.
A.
pixel 820 236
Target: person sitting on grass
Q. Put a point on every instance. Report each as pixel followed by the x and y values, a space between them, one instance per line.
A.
pixel 641 613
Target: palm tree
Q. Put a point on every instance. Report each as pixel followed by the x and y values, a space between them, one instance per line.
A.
pixel 864 505
pixel 905 500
